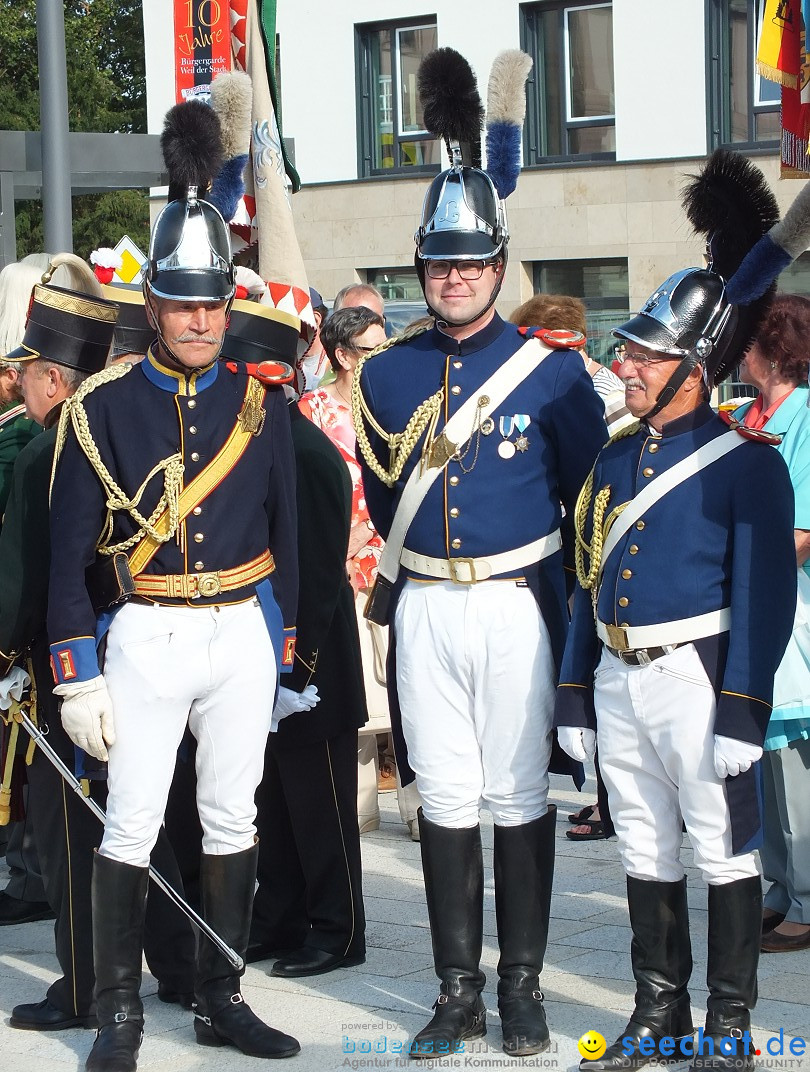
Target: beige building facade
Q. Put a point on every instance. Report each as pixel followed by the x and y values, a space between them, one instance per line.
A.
pixel 625 100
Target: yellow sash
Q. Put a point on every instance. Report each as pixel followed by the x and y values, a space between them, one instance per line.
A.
pixel 212 475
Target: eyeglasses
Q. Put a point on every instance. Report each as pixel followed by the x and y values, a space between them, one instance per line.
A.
pixel 363 349
pixel 467 270
pixel 638 359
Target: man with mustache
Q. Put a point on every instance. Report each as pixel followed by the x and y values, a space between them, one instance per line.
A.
pixel 173 515
pixel 685 604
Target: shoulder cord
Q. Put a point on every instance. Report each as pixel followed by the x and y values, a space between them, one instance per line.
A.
pixel 401 444
pixel 74 412
pixel 601 525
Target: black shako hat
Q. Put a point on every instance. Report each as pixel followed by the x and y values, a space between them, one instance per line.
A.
pixel 68 328
pixel 257 333
pixel 133 332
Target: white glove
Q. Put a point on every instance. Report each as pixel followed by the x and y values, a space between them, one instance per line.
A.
pixel 733 757
pixel 290 702
pixel 87 715
pixel 577 742
pixel 12 687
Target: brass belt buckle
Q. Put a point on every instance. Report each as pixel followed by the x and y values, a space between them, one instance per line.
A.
pixel 454 577
pixel 208 585
pixel 617 638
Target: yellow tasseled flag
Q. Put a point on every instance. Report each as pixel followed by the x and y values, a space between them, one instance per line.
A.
pixel 777 58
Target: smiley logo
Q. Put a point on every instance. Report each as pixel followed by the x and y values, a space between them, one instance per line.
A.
pixel 592 1045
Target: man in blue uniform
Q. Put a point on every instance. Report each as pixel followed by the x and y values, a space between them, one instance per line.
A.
pixel 481 614
pixel 67 339
pixel 685 605
pixel 179 473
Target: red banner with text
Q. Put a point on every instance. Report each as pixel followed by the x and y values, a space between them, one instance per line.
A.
pixel 202 46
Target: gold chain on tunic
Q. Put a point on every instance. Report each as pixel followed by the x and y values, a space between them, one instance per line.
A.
pixel 75 415
pixel 401 445
pixel 600 527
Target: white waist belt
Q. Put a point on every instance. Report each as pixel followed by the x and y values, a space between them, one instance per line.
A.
pixel 472 570
pixel 633 637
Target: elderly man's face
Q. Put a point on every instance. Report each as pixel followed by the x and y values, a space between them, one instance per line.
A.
pixel 193 330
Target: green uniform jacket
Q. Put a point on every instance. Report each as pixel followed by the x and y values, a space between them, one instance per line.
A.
pixel 25 550
pixel 14 434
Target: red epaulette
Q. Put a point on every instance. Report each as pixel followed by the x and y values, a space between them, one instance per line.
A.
pixel 556 340
pixel 270 373
pixel 756 434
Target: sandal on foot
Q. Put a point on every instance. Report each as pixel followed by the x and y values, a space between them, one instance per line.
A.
pixel 595 832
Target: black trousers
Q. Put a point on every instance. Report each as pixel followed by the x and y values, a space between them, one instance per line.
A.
pixel 310 880
pixel 67 835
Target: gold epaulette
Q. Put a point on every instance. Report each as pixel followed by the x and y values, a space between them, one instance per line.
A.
pixel 400 444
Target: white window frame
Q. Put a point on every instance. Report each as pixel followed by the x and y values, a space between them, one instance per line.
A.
pixel 397 57
pixel 567 59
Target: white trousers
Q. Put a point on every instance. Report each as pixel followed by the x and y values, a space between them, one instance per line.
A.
pixel 475 679
pixel 213 669
pixel 656 753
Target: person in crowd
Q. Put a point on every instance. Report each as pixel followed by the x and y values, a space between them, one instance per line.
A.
pixel 60 349
pixel 464 424
pixel 23 899
pixel 683 610
pixel 561 312
pixel 185 466
pixel 777 365
pixel 313 364
pixel 360 294
pixel 308 906
pixel 348 334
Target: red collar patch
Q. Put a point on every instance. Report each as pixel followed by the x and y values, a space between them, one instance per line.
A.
pixel 756 434
pixel 270 373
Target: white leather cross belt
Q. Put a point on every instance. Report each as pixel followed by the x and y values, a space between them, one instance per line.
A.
pixel 472 570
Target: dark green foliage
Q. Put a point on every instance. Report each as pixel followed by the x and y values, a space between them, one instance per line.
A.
pixel 106 93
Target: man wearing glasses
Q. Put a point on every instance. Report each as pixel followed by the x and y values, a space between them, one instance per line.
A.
pixel 685 605
pixel 480 603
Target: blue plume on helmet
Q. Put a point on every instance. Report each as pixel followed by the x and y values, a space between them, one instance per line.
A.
pixel 506 110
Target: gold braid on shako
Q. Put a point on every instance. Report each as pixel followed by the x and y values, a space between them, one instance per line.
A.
pixel 74 414
pixel 400 444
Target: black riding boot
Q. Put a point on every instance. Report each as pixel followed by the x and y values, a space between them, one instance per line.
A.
pixel 454 887
pixel 222 1017
pixel 118 893
pixel 662 963
pixel 735 922
pixel 524 871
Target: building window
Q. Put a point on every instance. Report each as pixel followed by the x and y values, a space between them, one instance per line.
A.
pixel 570 106
pixel 396 284
pixel 392 136
pixel 743 106
pixel 602 285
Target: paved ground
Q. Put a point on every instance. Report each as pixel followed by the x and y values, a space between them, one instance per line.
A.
pixel 587 979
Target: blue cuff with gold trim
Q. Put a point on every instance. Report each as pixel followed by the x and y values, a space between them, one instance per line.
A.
pixel 74 660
